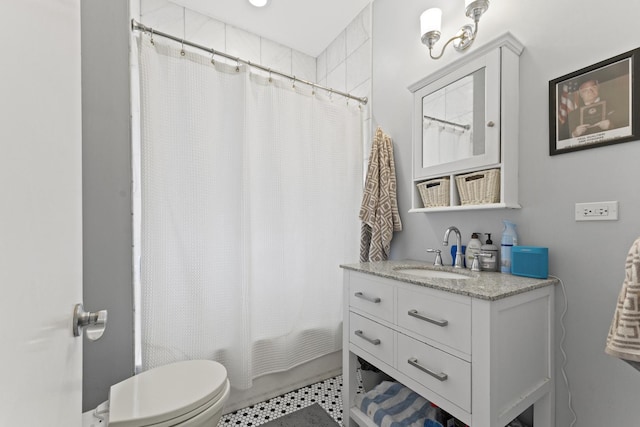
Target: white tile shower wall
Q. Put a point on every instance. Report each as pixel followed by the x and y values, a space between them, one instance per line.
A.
pixel 168 17
pixel 346 65
pixel 205 31
pixel 163 16
pixel 351 47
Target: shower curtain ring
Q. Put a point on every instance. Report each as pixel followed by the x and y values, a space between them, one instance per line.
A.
pixel 313 89
pixel 213 53
pixel 270 79
pixel 293 85
pixel 152 42
pixel 237 64
pixel 182 48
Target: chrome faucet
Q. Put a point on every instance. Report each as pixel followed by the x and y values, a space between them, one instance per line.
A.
pixel 459 259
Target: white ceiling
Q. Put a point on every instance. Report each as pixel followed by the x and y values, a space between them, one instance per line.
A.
pixel 305 25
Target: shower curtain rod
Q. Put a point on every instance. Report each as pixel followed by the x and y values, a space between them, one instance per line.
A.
pixel 140 27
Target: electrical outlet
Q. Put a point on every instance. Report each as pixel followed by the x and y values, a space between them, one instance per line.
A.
pixel 597 211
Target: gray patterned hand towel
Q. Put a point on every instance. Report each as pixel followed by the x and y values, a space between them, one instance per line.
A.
pixel 379 210
pixel 623 340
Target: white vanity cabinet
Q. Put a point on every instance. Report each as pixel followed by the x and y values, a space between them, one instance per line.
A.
pixel 484 357
pixel 465 122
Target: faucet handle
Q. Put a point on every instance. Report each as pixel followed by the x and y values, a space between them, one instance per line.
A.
pixel 476 260
pixel 438 260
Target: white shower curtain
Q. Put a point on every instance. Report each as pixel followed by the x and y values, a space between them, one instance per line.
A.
pixel 250 193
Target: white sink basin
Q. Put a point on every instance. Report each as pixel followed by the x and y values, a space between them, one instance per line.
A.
pixel 424 272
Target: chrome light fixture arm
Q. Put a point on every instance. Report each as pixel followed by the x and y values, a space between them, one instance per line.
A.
pixel 462 40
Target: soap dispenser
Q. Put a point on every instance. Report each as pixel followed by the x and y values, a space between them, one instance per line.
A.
pixel 473 248
pixel 489 263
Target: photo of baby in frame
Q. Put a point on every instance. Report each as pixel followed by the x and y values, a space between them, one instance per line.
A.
pixel 593 106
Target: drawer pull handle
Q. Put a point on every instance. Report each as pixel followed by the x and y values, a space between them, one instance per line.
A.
pixel 417 315
pixel 439 376
pixel 363 296
pixel 372 341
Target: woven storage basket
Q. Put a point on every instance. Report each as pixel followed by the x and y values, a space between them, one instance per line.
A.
pixel 434 192
pixel 480 187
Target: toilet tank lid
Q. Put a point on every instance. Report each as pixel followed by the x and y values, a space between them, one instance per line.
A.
pixel 165 392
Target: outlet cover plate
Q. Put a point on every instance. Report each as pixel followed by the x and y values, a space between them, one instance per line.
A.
pixel 597 211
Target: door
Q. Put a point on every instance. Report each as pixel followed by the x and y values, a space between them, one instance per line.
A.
pixel 40 213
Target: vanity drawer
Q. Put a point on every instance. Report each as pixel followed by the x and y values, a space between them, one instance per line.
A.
pixel 437 316
pixel 371 296
pixel 371 337
pixel 440 372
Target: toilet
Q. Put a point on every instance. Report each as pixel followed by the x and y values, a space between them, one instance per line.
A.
pixel 183 394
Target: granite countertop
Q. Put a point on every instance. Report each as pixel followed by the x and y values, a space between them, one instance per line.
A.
pixel 484 285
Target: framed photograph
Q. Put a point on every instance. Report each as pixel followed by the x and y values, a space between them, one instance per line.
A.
pixel 597 105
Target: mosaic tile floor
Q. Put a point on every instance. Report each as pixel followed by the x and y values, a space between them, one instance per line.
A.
pixel 326 393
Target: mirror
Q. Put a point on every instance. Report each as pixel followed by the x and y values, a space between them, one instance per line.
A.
pixel 457 118
pixel 453 121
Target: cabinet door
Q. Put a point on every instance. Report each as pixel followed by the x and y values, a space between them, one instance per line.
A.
pixel 457 119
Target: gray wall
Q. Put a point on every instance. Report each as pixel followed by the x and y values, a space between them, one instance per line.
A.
pixel 106 194
pixel 588 256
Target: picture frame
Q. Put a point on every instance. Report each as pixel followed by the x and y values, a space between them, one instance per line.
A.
pixel 595 106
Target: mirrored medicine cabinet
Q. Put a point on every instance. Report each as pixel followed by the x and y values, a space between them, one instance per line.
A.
pixel 465 131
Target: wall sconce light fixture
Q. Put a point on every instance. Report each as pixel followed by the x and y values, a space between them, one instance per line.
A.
pixel 431 23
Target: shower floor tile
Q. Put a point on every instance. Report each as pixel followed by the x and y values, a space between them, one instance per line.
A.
pixel 327 393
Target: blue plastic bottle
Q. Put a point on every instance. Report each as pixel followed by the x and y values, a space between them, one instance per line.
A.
pixel 509 240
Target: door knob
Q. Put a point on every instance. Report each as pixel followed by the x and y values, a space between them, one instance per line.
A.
pixel 95 322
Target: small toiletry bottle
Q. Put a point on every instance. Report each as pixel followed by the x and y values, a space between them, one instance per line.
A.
pixel 473 248
pixel 509 240
pixel 486 263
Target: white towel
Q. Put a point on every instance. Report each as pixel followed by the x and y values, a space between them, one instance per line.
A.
pixel 623 340
pixel 379 210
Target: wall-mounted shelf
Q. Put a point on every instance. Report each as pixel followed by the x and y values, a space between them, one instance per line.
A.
pixel 466 208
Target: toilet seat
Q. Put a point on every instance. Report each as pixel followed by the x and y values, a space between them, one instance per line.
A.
pixel 168 395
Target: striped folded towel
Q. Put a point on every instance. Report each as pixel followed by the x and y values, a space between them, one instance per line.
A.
pixel 391 404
